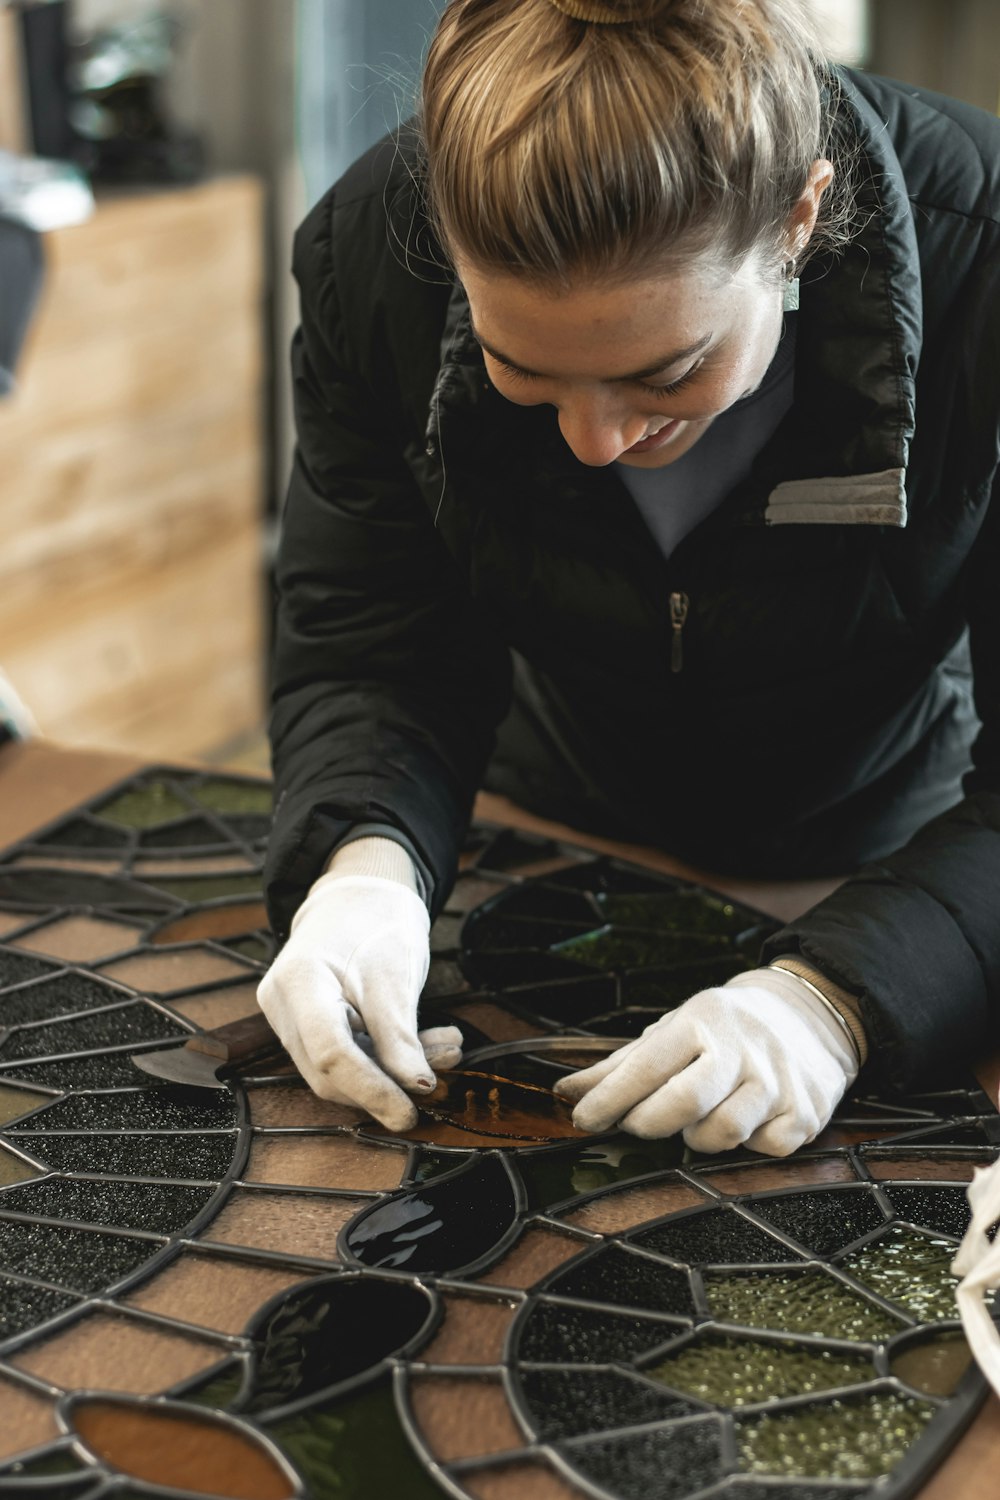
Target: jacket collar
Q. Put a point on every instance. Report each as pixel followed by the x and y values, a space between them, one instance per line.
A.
pixel 840 456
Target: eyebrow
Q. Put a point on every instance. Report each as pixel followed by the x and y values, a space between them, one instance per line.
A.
pixel 654 369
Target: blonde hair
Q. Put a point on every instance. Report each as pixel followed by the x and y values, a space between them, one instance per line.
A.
pixel 556 145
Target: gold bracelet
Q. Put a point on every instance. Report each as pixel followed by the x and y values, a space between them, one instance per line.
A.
pixel 777 964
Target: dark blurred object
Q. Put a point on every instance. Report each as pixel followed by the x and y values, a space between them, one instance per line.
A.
pixel 21 271
pixel 46 60
pixel 117 108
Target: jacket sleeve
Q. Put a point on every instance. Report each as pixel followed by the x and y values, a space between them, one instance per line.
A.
pixel 916 935
pixel 386 683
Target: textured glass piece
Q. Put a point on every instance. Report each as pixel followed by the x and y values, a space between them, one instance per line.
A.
pixel 204 1158
pixel 104 1351
pixel 665 989
pixel 210 1008
pixel 15 968
pixel 473 1332
pixel 354 1449
pixel 537 1252
pixel 234 796
pixel 621 948
pixel 552 1176
pixel 933 1365
pixel 167 972
pixel 668 1462
pixel 85 833
pixel 467 1417
pixel 910 1269
pixel 611 1213
pixel 319 1160
pixel 165 1108
pixel 797 1302
pixel 614 1275
pixel 685 909
pixel 568 1403
pixel 329 1331
pixel 740 1372
pixel 823 1222
pixel 79 939
pixel 169 1445
pixel 191 833
pixel 941 1208
pixel 518 1481
pixel 213 1291
pixel 23 1306
pixel 440 1228
pixel 29 1419
pixel 13 1169
pixel 59 887
pixel 82 1260
pixel 109 1028
pixel 717 1236
pixel 295 1224
pixel 206 887
pixel 144 806
pixel 101 1070
pixel 863 1437
pixel 17 1102
pixel 158 1208
pixel 65 995
pixel 553 1333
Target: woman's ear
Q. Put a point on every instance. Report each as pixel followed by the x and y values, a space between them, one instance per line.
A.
pixel 802 220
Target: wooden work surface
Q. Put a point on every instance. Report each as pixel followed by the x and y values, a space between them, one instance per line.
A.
pixel 40 782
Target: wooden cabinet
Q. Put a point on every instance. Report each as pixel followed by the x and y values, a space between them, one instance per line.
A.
pixel 131 576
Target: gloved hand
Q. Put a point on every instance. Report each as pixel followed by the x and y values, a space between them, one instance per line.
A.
pixel 759 1062
pixel 342 994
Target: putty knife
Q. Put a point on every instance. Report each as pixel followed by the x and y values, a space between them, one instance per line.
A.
pixel 201 1059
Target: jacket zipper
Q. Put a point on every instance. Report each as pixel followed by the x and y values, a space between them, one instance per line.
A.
pixel 679 604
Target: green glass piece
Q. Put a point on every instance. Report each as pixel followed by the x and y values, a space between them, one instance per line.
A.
pixel 234 797
pixel 13 1169
pixel 205 887
pixel 620 948
pixel 737 1372
pixel 676 911
pixel 910 1269
pixel 864 1437
pixel 61 1460
pixel 437 1163
pixel 354 1449
pixel 220 1389
pixel 17 1102
pixel 550 1177
pixel 935 1365
pixel 798 1302
pixel 145 807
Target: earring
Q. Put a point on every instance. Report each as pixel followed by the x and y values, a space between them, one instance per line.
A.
pixel 791 298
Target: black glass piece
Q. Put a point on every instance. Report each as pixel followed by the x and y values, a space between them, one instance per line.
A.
pixel 441 1228
pixel 63 996
pixel 556 1334
pixel 666 988
pixel 567 1403
pixel 628 1023
pixel 15 968
pixel 60 1459
pixel 624 948
pixel 603 875
pixel 571 1002
pixel 717 1236
pixel 81 833
pixel 685 909
pixel 669 1463
pixel 190 833
pixel 487 970
pixel 613 1275
pixel 512 851
pixel 540 899
pixel 159 1208
pixel 109 1028
pixel 251 827
pixel 23 1307
pixel 205 1158
pixel 551 1177
pixel 970 1134
pixel 495 930
pixel 945 1209
pixel 101 1070
pixel 149 1109
pixel 72 888
pixel 823 1221
pixel 83 1260
pixel 330 1331
pixel 431 1164
pixel 219 1388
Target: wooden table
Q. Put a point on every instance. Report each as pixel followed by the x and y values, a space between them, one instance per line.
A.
pixel 40 782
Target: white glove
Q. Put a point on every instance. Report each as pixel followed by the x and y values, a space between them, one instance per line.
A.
pixel 978 1263
pixel 342 994
pixel 759 1062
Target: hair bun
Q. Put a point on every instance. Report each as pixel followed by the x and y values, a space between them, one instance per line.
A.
pixel 611 12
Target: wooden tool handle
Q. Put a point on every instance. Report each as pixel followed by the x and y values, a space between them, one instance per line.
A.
pixel 238 1041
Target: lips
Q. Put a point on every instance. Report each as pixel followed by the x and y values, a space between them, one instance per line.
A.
pixel 657 440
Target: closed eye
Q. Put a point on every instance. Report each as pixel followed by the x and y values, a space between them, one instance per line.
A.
pixel 514 373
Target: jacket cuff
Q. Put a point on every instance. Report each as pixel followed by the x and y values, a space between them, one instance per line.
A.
pixel 382 862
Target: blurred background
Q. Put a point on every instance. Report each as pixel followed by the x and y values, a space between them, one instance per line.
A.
pixel 155 157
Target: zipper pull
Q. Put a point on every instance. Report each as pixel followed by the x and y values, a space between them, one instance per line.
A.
pixel 679 604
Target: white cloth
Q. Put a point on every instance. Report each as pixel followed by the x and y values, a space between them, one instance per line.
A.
pixel 977 1262
pixel 342 994
pixel 758 1061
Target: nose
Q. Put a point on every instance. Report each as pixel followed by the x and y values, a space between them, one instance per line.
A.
pixel 596 432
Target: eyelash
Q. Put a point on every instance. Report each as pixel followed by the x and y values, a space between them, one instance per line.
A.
pixel 654 390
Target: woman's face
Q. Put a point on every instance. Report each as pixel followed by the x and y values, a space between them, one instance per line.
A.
pixel 637 372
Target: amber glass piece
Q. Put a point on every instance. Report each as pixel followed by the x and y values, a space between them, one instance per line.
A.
pixel 494 1021
pixel 921 1168
pixel 212 1291
pixel 293 1106
pixel 766 1177
pixel 235 796
pixel 184 1449
pixel 296 1223
pixel 473 1332
pixel 14 1169
pixel 144 807
pixel 80 940
pixel 10 921
pixel 739 1372
pixel 327 1161
pixel 910 1269
pixel 535 1254
pixel 192 868
pixel 105 1352
pixel 614 1212
pixel 17 1102
pixel 861 1438
pixel 29 1419
pixel 462 1418
pixel 793 1302
pixel 219 1007
pixel 495 1107
pixel 214 922
pixel 934 1365
pixel 519 1481
pixel 164 973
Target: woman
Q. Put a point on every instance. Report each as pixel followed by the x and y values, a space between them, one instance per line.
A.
pixel 556 410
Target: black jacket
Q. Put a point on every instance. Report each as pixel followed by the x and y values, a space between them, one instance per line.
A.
pixel 823 714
